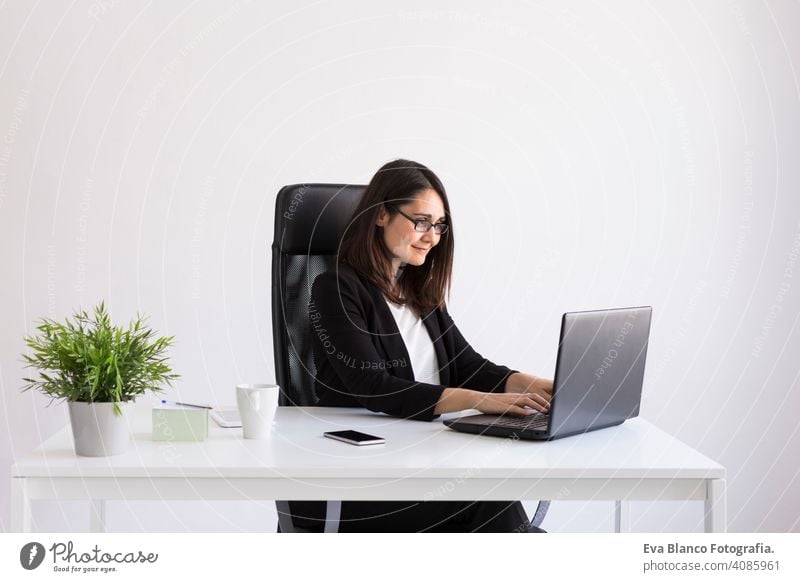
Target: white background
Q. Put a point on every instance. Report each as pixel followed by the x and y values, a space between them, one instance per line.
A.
pixel 595 155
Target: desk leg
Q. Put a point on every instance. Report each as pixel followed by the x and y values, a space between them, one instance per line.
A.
pixel 97 516
pixel 622 516
pixel 20 506
pixel 716 519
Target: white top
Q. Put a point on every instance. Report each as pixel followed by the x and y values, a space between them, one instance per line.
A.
pixel 418 342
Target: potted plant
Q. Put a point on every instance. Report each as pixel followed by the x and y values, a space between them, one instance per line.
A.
pixel 99 369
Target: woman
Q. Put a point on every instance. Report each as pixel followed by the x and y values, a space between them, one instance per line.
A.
pixel 387 342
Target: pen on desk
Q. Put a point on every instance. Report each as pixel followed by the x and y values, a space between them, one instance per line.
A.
pixel 187 404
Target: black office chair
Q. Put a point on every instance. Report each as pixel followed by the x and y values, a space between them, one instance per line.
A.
pixel 309 223
pixel 310 220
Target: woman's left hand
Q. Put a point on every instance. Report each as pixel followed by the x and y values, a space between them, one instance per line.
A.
pixel 520 383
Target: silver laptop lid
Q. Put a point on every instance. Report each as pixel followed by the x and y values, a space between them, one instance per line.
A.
pixel 599 370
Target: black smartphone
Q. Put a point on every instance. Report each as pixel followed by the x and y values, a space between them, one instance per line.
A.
pixel 354 437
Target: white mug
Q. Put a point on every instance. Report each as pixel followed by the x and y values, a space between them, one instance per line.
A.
pixel 257 404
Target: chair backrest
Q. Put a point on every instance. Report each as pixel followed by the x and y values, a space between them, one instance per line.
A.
pixel 310 220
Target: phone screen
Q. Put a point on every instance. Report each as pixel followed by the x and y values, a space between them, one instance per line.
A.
pixel 354 436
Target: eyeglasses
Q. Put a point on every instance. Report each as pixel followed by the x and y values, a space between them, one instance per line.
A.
pixel 422 225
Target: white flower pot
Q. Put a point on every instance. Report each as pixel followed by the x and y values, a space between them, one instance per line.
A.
pixel 97 430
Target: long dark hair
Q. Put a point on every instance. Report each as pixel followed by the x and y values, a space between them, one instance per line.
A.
pixel 420 287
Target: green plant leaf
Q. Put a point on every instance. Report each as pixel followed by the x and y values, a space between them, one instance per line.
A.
pixel 86 358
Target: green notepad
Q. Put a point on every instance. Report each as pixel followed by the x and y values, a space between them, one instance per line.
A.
pixel 176 423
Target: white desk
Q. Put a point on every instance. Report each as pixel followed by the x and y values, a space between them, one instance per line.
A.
pixel 420 460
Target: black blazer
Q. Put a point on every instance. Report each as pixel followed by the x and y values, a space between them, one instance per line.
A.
pixel 361 358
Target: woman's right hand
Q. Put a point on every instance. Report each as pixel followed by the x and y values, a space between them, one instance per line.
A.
pixel 509 403
pixel 457 399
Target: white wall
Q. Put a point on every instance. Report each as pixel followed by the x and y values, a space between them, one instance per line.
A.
pixel 596 155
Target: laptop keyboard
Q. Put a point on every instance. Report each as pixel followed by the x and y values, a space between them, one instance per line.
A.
pixel 533 422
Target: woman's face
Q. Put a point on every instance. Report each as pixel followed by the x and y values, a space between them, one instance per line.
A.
pixel 405 243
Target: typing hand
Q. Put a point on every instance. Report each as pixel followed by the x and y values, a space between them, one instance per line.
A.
pixel 541 389
pixel 505 403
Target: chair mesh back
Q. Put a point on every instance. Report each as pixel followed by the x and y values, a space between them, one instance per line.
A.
pixel 309 222
pixel 300 274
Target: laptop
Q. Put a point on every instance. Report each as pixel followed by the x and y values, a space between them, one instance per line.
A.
pixel 598 379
